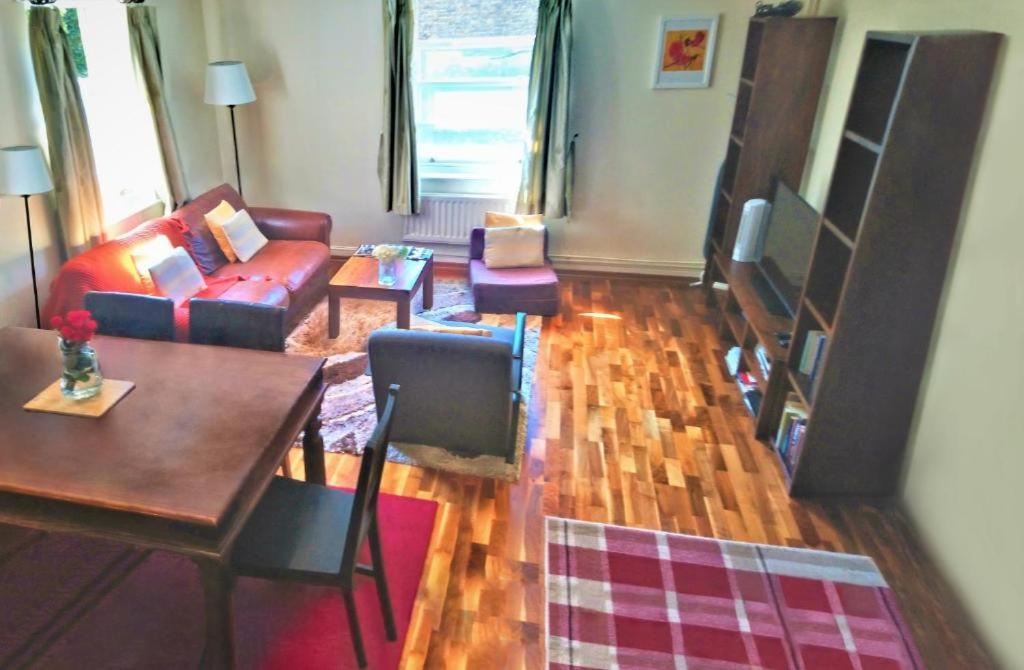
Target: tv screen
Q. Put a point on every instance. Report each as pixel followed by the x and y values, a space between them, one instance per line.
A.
pixel 792 225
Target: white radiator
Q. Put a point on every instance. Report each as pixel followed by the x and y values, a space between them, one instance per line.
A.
pixel 449 219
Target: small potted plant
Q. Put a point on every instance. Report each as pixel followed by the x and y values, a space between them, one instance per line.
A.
pixel 80 374
pixel 387 256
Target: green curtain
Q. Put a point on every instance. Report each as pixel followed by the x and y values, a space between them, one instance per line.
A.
pixel 396 160
pixel 149 70
pixel 546 187
pixel 79 204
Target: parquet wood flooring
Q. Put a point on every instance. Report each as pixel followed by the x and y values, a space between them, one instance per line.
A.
pixel 634 422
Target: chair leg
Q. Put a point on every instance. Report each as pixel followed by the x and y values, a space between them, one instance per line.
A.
pixel 286 466
pixel 353 626
pixel 382 584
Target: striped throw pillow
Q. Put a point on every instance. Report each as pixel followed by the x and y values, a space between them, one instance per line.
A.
pixel 177 277
pixel 243 235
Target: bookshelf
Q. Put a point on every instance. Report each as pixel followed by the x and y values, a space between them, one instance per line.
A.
pixel 881 256
pixel 784 63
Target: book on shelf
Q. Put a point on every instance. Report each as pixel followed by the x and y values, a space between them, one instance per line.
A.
pixel 793 412
pixel 796 443
pixel 763 360
pixel 812 342
pixel 732 360
pixel 752 399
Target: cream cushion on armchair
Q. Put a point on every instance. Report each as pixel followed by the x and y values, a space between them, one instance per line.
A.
pixel 503 220
pixel 514 247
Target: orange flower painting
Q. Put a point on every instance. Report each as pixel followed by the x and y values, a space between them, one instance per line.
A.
pixel 685 50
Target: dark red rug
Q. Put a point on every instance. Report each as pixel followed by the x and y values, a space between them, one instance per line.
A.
pixel 631 598
pixel 67 602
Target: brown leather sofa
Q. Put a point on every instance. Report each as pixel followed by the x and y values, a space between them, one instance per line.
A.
pixel 292 271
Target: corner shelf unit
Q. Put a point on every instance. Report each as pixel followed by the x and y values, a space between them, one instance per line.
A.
pixel 881 255
pixel 784 65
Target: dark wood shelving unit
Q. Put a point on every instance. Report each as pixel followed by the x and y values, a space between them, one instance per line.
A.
pixel 784 65
pixel 881 256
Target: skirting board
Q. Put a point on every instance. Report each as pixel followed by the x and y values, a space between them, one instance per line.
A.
pixel 450 254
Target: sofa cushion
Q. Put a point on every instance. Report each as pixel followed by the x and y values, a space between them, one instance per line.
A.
pixel 245 238
pixel 202 245
pixel 215 220
pixel 291 263
pixel 177 277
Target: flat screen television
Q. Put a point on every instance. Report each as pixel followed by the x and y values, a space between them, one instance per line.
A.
pixel 788 245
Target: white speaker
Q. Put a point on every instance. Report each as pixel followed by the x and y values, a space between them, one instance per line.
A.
pixel 753 226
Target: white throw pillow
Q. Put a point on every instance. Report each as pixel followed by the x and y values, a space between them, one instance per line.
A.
pixel 177 277
pixel 514 247
pixel 243 235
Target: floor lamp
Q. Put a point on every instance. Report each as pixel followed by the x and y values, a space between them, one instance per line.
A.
pixel 23 173
pixel 227 84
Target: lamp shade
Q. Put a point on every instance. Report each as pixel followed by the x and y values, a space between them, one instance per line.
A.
pixel 227 83
pixel 23 171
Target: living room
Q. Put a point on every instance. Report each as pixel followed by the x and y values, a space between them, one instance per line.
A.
pixel 624 410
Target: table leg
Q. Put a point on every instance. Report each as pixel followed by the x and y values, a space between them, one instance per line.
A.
pixel 404 309
pixel 313 451
pixel 333 316
pixel 219 652
pixel 428 285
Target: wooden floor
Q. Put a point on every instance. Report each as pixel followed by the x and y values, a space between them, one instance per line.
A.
pixel 633 422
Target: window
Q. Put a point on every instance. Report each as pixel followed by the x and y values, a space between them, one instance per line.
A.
pixel 124 141
pixel 471 74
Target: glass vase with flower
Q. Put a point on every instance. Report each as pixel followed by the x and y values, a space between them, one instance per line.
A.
pixel 80 368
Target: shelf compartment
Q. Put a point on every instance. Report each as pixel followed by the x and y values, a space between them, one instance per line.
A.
pixel 732 164
pixel 739 119
pixel 878 83
pixel 851 183
pixel 828 272
pixel 721 220
pixel 753 51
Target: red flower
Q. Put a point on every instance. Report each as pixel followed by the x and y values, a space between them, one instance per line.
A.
pixel 75 326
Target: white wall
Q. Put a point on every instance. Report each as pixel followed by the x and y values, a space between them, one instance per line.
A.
pixel 21 123
pixel 647 159
pixel 310 139
pixel 962 486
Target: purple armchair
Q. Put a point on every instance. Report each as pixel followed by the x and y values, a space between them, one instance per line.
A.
pixel 511 290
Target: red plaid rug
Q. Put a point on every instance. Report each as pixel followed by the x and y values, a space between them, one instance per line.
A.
pixel 629 598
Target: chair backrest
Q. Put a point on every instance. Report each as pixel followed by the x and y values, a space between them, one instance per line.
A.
pixel 457 390
pixel 364 503
pixel 143 317
pixel 244 325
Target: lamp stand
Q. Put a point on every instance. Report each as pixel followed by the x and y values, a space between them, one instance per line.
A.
pixel 234 137
pixel 32 260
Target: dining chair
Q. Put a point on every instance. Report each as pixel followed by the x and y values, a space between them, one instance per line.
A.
pixel 143 317
pixel 226 323
pixel 322 545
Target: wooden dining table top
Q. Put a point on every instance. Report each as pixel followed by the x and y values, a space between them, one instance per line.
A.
pixel 194 440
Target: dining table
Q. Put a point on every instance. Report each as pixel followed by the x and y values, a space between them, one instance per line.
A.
pixel 177 465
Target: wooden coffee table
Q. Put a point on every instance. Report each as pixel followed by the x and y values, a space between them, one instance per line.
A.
pixel 358 279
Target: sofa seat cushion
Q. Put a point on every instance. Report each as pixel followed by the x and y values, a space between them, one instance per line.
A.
pixel 291 263
pixel 511 290
pixel 259 291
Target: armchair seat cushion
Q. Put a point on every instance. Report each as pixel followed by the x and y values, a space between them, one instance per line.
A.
pixel 510 290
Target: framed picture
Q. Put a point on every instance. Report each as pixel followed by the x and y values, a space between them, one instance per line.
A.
pixel 686 49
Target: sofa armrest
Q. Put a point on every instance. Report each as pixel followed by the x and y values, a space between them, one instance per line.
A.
pixel 292 224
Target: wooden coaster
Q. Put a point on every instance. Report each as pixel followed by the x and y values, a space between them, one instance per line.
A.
pixel 52 401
